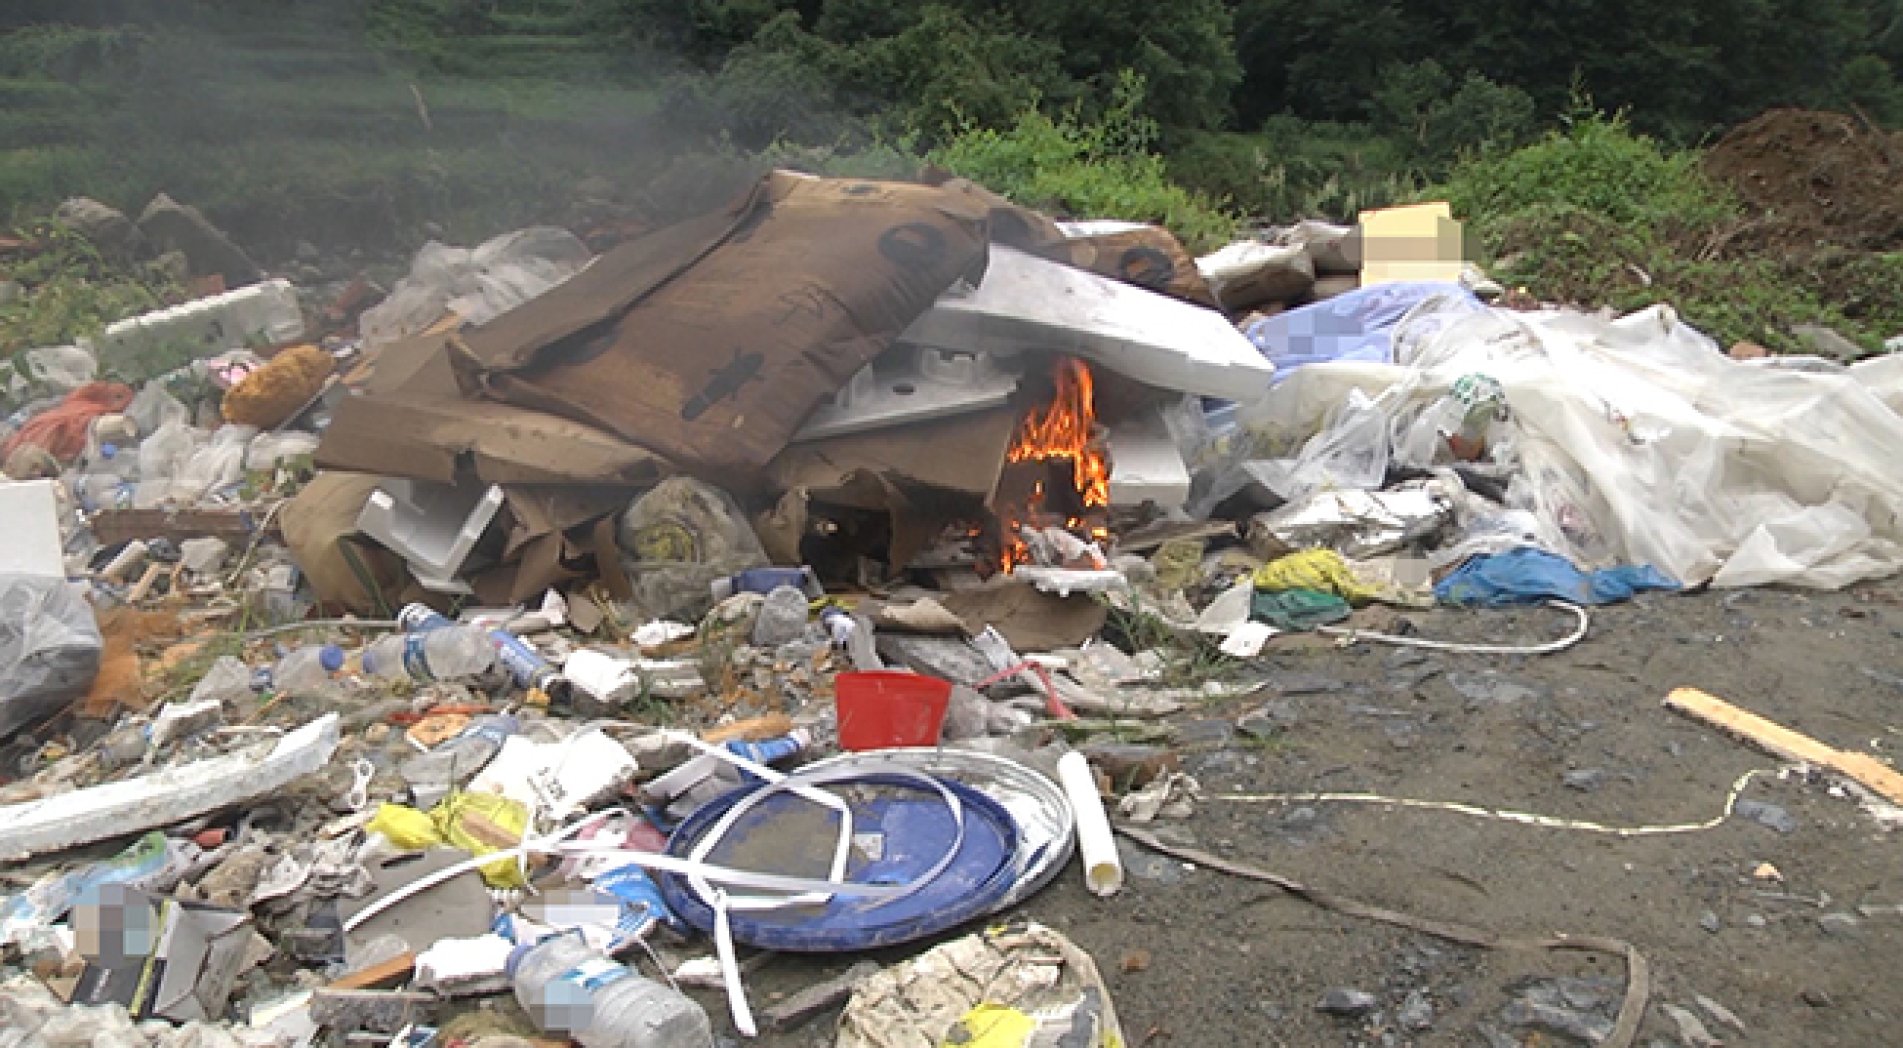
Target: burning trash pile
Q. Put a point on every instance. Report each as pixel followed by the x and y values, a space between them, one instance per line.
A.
pixel 560 628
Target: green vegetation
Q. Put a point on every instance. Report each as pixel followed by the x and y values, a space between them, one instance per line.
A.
pixel 1087 169
pixel 70 291
pixel 1598 214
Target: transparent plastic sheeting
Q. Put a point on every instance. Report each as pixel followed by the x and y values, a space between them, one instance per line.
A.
pixel 1637 441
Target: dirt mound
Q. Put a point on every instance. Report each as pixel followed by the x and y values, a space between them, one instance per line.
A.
pixel 1816 179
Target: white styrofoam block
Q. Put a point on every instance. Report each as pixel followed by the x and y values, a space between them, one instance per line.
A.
pixel 1145 464
pixel 1026 303
pixel 911 384
pixel 29 515
pixel 266 312
pixel 431 526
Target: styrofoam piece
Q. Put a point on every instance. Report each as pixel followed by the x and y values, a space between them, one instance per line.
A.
pixel 911 384
pixel 257 313
pixel 1066 581
pixel 29 515
pixel 431 526
pixel 1145 464
pixel 116 809
pixel 1028 303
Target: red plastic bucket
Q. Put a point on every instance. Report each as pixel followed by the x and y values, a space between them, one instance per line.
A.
pixel 879 709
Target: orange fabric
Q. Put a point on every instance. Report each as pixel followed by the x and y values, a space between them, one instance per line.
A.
pixel 61 430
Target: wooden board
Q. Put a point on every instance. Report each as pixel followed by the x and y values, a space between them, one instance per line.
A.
pixel 1783 742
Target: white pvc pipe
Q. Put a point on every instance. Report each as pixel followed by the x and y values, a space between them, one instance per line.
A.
pixel 1103 870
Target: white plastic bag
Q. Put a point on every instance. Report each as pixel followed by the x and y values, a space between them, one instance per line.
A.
pixel 162 457
pixel 477 285
pixel 217 465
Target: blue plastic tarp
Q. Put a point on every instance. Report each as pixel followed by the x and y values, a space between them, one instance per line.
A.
pixel 1529 576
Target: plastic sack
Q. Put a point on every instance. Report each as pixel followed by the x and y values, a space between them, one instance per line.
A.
pixel 1529 576
pixel 477 285
pixel 677 539
pixel 49 649
pixel 1010 986
pixel 214 467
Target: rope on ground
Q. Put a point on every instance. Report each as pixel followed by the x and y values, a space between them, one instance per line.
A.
pixel 381 625
pixel 1578 634
pixel 1638 989
pixel 1481 811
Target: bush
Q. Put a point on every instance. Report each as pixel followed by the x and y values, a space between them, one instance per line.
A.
pixel 1596 165
pixel 1598 216
pixel 1099 169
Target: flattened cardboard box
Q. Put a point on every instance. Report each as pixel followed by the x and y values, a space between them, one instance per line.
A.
pixel 710 342
pixel 184 959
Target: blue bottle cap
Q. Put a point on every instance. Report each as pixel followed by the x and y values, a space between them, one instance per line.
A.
pixel 331 657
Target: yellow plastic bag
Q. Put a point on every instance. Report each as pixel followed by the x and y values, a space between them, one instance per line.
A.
pixel 405 827
pixel 480 823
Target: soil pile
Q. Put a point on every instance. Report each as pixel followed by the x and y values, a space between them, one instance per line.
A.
pixel 1818 179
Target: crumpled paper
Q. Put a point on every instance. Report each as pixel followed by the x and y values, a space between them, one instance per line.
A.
pixel 1012 986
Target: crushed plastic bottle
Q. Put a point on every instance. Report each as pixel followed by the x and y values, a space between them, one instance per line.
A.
pixel 782 618
pixel 306 671
pixel 457 760
pixel 228 680
pixel 445 653
pixel 569 988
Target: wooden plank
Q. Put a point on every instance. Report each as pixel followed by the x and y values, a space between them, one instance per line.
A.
pixel 377 976
pixel 113 526
pixel 1783 742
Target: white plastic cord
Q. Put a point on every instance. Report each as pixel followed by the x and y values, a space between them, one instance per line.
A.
pixel 1524 818
pixel 1578 634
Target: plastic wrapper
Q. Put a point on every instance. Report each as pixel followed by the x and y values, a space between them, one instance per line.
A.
pixel 162 457
pixel 476 284
pixel 1010 986
pixel 152 407
pixel 49 649
pixel 268 450
pixel 1356 523
pixel 1350 452
pixel 677 539
pixel 49 369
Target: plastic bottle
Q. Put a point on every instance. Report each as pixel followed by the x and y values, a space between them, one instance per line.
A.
pixel 307 670
pixel 839 624
pixel 569 988
pixel 766 580
pixel 525 666
pixel 228 680
pixel 782 618
pixel 457 760
pixel 449 653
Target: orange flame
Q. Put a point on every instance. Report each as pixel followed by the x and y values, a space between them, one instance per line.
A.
pixel 1065 429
